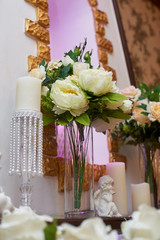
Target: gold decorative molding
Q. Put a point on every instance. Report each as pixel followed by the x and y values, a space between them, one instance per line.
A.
pixel 99 28
pixel 99 15
pixel 33 62
pixel 39 3
pixel 102 55
pixel 42 17
pixel 104 43
pixel 92 3
pixel 43 51
pixel 36 31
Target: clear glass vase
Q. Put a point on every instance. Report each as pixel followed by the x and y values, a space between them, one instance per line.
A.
pixel 79 176
pixel 150 170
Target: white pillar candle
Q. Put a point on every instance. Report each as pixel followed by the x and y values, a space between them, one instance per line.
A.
pixel 116 170
pixel 28 93
pixel 140 193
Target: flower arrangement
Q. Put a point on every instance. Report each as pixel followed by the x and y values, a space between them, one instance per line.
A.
pixel 74 94
pixel 143 128
pixel 74 90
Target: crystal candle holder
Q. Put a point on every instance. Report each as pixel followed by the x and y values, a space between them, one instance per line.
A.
pixel 26 149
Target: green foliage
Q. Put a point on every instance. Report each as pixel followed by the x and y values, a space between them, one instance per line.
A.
pixel 83 119
pixel 50 231
pixel 47 119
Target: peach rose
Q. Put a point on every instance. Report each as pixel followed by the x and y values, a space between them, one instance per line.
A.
pixel 131 93
pixel 154 110
pixel 137 113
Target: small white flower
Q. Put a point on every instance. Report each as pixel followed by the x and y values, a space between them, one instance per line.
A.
pixel 78 67
pixel 96 81
pixel 42 72
pixel 39 73
pixel 126 106
pixel 44 90
pixel 67 60
pixel 54 64
pixel 115 88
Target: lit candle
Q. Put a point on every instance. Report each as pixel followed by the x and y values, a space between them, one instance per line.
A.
pixel 140 194
pixel 116 170
pixel 28 93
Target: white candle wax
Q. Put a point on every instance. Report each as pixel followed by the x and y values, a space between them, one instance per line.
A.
pixel 116 170
pixel 28 93
pixel 140 193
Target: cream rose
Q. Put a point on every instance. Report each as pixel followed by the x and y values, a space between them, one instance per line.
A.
pixel 145 224
pixel 101 126
pixel 90 229
pixel 137 113
pixel 67 60
pixel 54 64
pixel 44 90
pixel 22 224
pixel 97 81
pixel 78 67
pixel 67 96
pixel 38 72
pixel 131 93
pixel 154 111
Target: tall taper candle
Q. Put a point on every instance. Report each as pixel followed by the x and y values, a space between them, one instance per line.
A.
pixel 28 93
pixel 116 170
pixel 140 194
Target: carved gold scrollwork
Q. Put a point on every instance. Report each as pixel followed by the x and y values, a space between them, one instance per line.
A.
pixel 42 17
pixel 39 3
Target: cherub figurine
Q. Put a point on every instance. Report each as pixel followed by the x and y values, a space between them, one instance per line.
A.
pixel 103 198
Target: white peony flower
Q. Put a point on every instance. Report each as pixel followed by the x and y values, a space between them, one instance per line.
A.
pixel 44 90
pixel 126 106
pixel 115 88
pixel 154 111
pixel 131 93
pixel 67 60
pixel 39 73
pixel 78 67
pixel 54 64
pixel 101 126
pixel 5 203
pixel 90 229
pixel 96 81
pixel 22 224
pixel 145 224
pixel 67 96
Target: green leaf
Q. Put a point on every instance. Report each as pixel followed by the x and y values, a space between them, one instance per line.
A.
pixel 50 231
pixel 145 113
pixel 116 96
pixel 46 66
pixel 105 98
pixel 83 119
pixel 42 63
pixel 62 121
pixel 117 114
pixel 64 71
pixel 69 116
pixel 47 119
pixel 72 55
pixel 143 106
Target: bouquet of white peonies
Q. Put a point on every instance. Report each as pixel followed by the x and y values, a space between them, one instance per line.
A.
pixel 74 90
